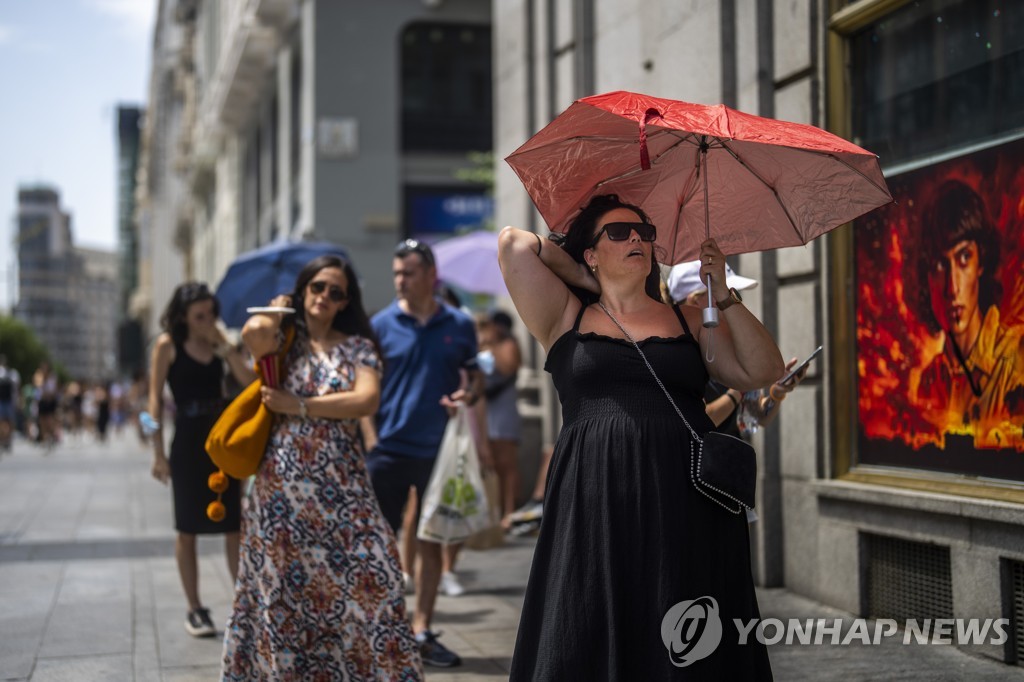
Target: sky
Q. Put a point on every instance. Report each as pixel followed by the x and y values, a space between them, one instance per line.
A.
pixel 65 66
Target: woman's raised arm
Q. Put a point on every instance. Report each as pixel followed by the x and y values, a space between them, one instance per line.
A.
pixel 537 273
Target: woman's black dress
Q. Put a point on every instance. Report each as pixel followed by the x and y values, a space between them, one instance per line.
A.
pixel 198 399
pixel 625 535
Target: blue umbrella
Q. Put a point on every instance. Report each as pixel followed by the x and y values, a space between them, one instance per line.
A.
pixel 257 276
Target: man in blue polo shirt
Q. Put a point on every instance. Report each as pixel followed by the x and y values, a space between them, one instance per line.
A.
pixel 426 345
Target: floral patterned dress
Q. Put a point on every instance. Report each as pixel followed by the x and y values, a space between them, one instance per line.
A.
pixel 319 592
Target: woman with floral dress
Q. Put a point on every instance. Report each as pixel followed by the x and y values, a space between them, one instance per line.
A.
pixel 319 592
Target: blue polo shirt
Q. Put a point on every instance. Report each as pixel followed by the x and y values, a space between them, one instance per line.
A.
pixel 421 364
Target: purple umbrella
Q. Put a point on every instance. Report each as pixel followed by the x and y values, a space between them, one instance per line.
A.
pixel 470 262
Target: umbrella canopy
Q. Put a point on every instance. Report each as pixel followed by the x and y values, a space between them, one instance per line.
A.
pixel 257 276
pixel 470 262
pixel 752 183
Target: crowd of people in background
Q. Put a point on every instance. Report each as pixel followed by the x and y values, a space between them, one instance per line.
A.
pixel 45 410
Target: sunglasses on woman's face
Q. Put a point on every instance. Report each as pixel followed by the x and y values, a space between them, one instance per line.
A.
pixel 619 232
pixel 335 293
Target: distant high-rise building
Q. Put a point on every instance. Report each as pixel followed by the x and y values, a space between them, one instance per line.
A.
pixel 130 343
pixel 44 262
pixel 67 296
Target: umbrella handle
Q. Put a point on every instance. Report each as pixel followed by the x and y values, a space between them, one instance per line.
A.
pixel 711 312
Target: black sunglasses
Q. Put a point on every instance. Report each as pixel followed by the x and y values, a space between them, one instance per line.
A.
pixel 335 294
pixel 413 246
pixel 619 232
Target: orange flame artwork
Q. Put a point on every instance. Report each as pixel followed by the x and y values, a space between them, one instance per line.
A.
pixel 940 318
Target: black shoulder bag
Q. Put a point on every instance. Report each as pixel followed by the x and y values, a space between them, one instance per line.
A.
pixel 722 467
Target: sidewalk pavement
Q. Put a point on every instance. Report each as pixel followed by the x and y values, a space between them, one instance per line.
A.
pixel 89 589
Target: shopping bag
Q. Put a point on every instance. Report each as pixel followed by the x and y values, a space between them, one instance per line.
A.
pixel 493 535
pixel 455 503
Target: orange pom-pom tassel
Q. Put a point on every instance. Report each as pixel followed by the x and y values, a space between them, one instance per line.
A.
pixel 216 511
pixel 218 482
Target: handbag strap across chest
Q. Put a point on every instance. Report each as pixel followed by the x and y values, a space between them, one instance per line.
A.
pixel 697 445
pixel 654 374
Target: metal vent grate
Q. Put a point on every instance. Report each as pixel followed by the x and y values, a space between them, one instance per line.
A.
pixel 1017 608
pixel 905 579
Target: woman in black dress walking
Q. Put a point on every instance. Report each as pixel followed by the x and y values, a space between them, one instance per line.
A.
pixel 625 535
pixel 187 355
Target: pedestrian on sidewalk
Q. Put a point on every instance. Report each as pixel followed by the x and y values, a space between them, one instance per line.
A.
pixel 319 593
pixel 187 356
pixel 494 334
pixel 426 344
pixel 626 536
pixel 10 382
pixel 48 403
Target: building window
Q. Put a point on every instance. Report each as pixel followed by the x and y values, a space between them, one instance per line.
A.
pixel 446 87
pixel 937 75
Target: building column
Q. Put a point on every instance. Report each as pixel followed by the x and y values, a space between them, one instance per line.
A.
pixel 307 136
pixel 284 140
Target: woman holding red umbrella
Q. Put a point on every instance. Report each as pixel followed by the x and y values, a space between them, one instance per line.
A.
pixel 625 535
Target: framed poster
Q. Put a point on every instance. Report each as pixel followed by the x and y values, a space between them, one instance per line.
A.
pixel 940 318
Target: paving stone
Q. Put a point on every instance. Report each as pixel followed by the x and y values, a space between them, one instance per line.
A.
pixel 91 668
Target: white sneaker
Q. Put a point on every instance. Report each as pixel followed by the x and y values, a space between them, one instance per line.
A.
pixel 450 585
pixel 408 583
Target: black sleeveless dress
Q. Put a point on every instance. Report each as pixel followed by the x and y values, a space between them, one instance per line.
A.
pixel 625 536
pixel 198 391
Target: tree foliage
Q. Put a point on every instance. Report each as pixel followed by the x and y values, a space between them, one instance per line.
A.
pixel 23 349
pixel 481 170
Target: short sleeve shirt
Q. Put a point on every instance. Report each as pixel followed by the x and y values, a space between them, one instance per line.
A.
pixel 422 363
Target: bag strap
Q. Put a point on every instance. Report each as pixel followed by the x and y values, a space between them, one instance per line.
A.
pixel 694 467
pixel 653 374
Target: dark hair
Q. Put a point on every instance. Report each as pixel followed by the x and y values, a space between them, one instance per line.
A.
pixel 352 319
pixel 955 213
pixel 409 246
pixel 173 320
pixel 580 235
pixel 502 319
pixel 449 296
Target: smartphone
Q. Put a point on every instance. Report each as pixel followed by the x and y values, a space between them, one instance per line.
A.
pixel 798 368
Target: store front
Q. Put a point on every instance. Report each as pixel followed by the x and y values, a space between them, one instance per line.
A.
pixel 924 503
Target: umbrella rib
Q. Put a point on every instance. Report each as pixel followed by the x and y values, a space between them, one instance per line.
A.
pixel 775 194
pixel 634 171
pixel 836 158
pixel 563 140
pixel 681 140
pixel 688 192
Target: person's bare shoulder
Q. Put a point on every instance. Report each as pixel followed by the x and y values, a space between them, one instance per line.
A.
pixel 164 346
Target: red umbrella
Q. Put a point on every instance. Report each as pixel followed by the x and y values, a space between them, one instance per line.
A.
pixel 752 183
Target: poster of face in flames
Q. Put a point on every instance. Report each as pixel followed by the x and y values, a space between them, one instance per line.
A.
pixel 940 318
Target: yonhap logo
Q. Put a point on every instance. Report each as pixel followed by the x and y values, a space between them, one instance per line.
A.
pixel 691 630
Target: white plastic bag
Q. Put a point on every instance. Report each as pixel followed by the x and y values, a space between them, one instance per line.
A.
pixel 455 503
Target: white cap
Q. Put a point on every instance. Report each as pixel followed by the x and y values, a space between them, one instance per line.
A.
pixel 684 279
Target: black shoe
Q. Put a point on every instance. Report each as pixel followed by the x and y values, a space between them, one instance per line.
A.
pixel 198 623
pixel 434 653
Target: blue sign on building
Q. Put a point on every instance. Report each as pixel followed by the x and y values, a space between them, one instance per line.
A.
pixel 446 211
